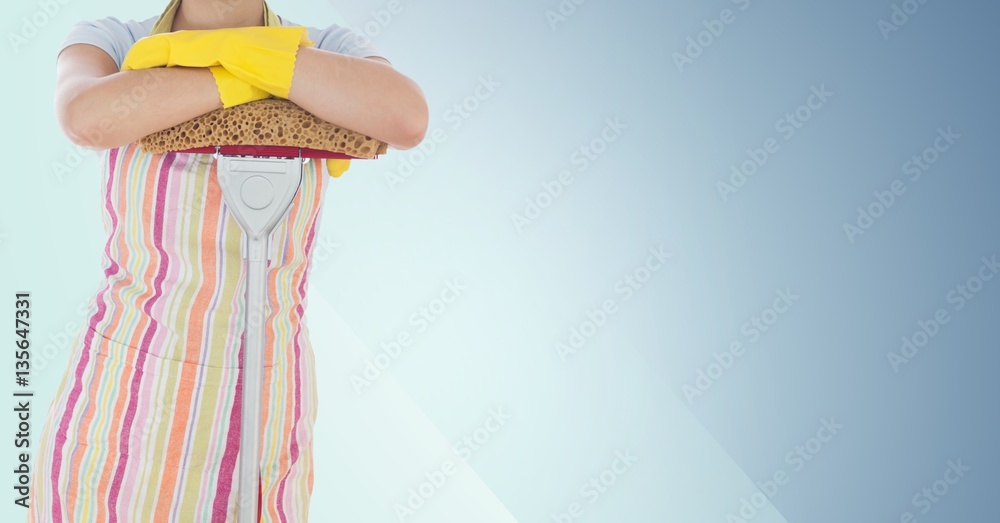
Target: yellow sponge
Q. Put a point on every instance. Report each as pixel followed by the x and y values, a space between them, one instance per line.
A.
pixel 271 121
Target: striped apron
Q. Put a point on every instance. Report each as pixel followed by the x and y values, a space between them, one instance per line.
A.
pixel 145 424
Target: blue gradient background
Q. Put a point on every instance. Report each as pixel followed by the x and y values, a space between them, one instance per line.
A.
pixel 495 347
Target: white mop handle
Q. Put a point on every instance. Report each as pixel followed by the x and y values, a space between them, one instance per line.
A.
pixel 253 377
pixel 258 192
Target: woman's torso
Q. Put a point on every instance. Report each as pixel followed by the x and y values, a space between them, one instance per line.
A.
pixel 174 281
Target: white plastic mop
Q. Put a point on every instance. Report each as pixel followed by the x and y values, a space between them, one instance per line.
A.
pixel 258 192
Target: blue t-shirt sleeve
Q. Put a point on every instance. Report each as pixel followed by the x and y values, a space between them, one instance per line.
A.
pixel 344 40
pixel 110 34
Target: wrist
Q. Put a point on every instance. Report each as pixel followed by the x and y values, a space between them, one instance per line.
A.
pixel 233 90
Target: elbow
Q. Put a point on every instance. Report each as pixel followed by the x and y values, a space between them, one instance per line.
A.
pixel 413 126
pixel 83 138
pixel 414 134
pixel 81 126
pixel 88 136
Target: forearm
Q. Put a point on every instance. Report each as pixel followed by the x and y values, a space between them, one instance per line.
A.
pixel 360 94
pixel 114 110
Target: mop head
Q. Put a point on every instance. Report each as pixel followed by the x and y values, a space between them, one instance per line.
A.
pixel 265 122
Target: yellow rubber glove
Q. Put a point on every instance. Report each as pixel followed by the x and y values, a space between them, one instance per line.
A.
pixel 337 166
pixel 261 56
pixel 233 91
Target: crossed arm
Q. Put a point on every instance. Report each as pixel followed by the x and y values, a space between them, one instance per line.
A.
pixel 99 107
